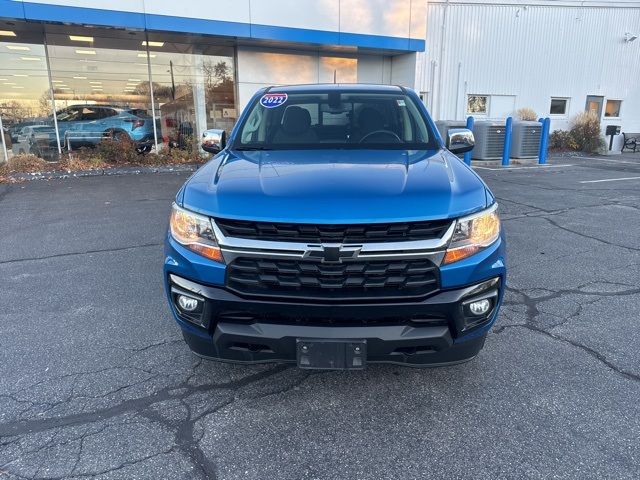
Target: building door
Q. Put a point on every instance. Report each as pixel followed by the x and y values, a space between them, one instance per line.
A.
pixel 594 104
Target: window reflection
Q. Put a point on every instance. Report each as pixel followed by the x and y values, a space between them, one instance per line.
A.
pixel 25 99
pixel 612 108
pixel 101 88
pixel 338 69
pixel 193 89
pixel 100 82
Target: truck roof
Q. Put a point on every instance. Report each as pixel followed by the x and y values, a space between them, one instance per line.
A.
pixel 323 87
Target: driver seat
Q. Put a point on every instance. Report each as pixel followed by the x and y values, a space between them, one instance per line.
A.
pixel 369 121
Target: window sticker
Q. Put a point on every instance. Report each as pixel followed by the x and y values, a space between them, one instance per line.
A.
pixel 272 100
pixel 401 102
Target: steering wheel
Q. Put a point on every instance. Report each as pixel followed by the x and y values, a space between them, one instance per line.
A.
pixel 383 132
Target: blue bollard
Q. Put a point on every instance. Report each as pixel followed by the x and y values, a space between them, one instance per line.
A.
pixel 544 141
pixel 506 151
pixel 467 155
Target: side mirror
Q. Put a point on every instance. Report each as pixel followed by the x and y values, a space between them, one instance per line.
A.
pixel 460 140
pixel 214 140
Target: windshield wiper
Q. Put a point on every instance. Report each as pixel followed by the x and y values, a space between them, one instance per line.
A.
pixel 253 148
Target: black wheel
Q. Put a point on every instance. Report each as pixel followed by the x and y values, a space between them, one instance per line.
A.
pixel 141 149
pixel 119 136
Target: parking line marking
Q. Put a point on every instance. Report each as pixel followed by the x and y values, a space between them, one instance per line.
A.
pixel 611 160
pixel 520 168
pixel 610 180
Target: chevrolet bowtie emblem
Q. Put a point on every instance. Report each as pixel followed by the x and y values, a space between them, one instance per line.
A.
pixel 332 253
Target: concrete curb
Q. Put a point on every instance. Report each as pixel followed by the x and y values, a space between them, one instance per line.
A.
pixel 531 161
pixel 57 174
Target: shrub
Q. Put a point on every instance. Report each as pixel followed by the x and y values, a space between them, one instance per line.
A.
pixel 116 152
pixel 188 153
pixel 586 133
pixel 81 160
pixel 526 113
pixel 24 163
pixel 562 140
pixel 107 153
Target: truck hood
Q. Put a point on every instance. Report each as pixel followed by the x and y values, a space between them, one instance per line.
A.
pixel 334 186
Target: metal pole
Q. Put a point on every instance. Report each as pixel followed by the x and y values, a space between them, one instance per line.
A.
pixel 53 100
pixel 153 101
pixel 173 82
pixel 4 144
pixel 467 155
pixel 506 151
pixel 544 141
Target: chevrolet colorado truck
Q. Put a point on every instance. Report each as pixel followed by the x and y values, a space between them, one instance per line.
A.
pixel 335 228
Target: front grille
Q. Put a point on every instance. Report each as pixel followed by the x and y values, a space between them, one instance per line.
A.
pixel 352 280
pixel 312 233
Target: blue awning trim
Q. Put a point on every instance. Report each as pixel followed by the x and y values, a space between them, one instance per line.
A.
pixel 141 21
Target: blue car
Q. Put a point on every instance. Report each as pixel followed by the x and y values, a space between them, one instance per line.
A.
pixel 87 125
pixel 334 229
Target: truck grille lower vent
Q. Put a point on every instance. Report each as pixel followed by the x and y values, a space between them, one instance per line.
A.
pixel 353 280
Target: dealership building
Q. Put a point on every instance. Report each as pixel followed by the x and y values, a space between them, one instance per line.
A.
pixel 75 64
pixel 192 65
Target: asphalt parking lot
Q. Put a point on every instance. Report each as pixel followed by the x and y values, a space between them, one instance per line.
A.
pixel 95 380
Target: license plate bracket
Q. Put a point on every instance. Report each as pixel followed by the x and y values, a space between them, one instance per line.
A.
pixel 331 354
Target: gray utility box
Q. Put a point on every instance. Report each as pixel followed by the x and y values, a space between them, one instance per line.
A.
pixel 525 139
pixel 489 140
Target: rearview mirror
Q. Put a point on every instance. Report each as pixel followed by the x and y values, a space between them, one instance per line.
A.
pixel 214 140
pixel 460 140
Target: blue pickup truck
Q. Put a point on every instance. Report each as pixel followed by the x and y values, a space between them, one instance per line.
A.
pixel 335 228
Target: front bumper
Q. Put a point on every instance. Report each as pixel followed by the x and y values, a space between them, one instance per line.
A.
pixel 425 332
pixel 435 331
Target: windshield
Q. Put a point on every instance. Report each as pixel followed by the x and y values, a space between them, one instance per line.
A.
pixel 334 119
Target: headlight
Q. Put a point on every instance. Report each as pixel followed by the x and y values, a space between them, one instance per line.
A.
pixel 472 234
pixel 194 232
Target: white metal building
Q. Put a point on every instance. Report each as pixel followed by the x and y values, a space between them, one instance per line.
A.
pixel 488 58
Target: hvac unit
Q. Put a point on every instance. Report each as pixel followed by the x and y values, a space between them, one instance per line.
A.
pixel 525 139
pixel 489 140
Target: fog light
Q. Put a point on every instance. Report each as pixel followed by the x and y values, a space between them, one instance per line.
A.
pixel 187 304
pixel 480 307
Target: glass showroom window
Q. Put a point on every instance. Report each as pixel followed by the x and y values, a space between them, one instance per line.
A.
pixel 101 86
pixel 559 106
pixel 612 109
pixel 193 87
pixel 25 98
pixel 478 104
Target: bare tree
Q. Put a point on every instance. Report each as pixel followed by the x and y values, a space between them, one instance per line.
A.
pixel 15 111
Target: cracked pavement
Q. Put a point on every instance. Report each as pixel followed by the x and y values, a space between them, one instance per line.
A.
pixel 96 382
